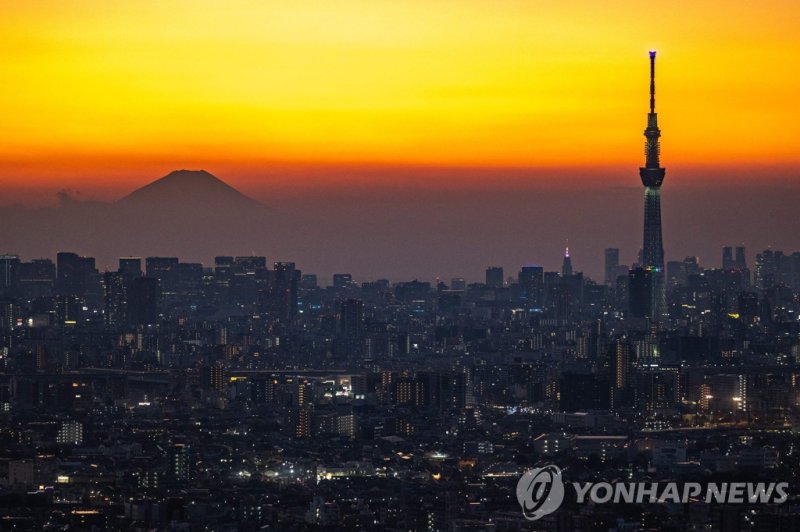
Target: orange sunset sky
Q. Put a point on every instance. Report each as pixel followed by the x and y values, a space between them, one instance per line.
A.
pixel 106 96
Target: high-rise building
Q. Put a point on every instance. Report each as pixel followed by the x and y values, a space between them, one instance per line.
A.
pixel 286 281
pixel 181 462
pixel 21 473
pixel 494 276
pixel 736 262
pixel 70 433
pixel 566 265
pixel 640 293
pixel 216 377
pixel 9 265
pixel 567 296
pixel 299 422
pixel 727 258
pixel 352 319
pixel 611 265
pixel 6 314
pixel 262 391
pixel 657 387
pixel 165 270
pixel 531 284
pixel 620 373
pixel 458 283
pixel 740 263
pixel 223 260
pixel 652 175
pixel 115 291
pixel 76 275
pixel 463 396
pixel 582 391
pixel 250 263
pixel 68 274
pixel 130 267
pixel 647 348
pixel 339 422
pixel 308 281
pixel 143 301
pixel 36 278
pixel 343 281
pixel 303 394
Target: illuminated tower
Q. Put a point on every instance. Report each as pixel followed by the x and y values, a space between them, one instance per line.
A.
pixel 652 176
pixel 566 266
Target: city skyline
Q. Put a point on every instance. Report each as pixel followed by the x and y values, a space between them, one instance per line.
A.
pixel 389 266
pixel 41 233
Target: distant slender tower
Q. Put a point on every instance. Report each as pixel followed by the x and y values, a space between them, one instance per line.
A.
pixel 652 176
pixel 566 266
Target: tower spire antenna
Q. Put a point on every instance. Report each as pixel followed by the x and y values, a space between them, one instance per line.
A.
pixel 652 81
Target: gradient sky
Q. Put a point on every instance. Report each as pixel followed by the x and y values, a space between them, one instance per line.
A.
pixel 105 96
pixel 412 137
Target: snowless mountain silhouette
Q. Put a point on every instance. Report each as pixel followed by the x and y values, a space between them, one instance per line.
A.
pixel 189 188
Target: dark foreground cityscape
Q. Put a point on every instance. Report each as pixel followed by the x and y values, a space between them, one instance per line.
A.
pixel 173 395
pixel 244 395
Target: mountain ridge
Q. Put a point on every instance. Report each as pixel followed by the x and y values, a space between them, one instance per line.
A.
pixel 185 187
